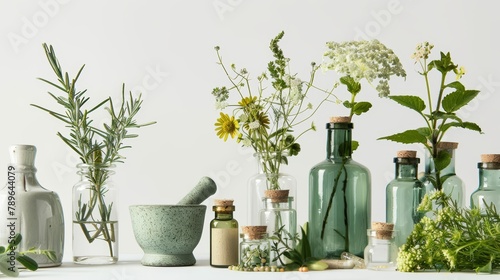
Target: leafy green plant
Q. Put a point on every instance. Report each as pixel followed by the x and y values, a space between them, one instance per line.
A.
pixel 97 147
pixel 456 239
pixel 9 256
pixel 441 115
pixel 297 257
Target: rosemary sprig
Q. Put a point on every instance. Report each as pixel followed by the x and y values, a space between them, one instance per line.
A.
pixel 96 147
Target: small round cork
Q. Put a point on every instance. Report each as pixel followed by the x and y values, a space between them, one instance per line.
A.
pixel 340 119
pixel 406 154
pixel 254 232
pixel 277 195
pixel 447 145
pixel 383 230
pixel 490 158
pixel 223 202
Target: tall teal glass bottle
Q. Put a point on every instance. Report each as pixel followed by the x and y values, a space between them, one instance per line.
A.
pixel 339 197
pixel 403 195
pixel 488 192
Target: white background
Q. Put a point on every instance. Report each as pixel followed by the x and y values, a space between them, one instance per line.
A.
pixel 165 49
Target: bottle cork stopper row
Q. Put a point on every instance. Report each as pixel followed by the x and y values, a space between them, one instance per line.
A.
pixel 277 195
pixel 406 154
pixel 490 158
pixel 340 119
pixel 383 230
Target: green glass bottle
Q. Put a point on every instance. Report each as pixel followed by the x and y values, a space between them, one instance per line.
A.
pixel 488 191
pixel 452 184
pixel 403 195
pixel 339 197
pixel 223 235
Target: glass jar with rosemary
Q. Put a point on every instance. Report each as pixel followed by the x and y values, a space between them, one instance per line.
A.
pixel 98 148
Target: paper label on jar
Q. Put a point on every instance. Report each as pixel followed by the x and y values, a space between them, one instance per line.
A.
pixel 224 246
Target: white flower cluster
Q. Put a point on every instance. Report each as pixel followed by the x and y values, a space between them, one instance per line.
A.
pixel 422 51
pixel 295 85
pixel 370 60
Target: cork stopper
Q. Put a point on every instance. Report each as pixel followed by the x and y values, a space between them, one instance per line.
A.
pixel 340 119
pixel 406 154
pixel 223 202
pixel 223 205
pixel 490 158
pixel 254 232
pixel 277 195
pixel 383 230
pixel 447 145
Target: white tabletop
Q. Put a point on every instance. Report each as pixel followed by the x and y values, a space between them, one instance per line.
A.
pixel 130 268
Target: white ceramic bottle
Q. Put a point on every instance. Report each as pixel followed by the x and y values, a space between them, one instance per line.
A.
pixel 31 210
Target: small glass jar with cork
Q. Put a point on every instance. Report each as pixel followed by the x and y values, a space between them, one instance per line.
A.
pixel 381 252
pixel 223 235
pixel 254 247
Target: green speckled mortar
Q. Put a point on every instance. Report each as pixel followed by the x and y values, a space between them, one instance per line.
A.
pixel 168 234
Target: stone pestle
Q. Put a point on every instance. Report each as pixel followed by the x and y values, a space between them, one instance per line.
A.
pixel 205 188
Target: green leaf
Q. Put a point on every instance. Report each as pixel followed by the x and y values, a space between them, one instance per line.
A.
pixel 456 85
pixel 444 65
pixel 443 116
pixel 306 248
pixel 352 86
pixel 407 137
pixel 6 268
pixel 466 125
pixel 27 262
pixel 413 102
pixel 354 145
pixel 486 268
pixel 442 160
pixel 361 107
pixel 425 131
pixel 457 99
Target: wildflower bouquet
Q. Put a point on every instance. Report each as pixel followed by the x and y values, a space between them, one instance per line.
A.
pixel 441 115
pixel 266 117
pixel 456 239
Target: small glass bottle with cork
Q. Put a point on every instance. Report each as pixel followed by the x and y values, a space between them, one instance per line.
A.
pixel 223 235
pixel 254 247
pixel 381 252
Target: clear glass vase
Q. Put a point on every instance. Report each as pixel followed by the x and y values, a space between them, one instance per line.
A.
pixel 452 184
pixel 269 177
pixel 403 195
pixel 339 197
pixel 95 216
pixel 31 210
pixel 488 191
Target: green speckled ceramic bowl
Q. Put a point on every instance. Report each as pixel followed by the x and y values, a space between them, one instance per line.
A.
pixel 168 234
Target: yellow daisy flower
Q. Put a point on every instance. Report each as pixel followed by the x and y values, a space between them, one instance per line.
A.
pixel 247 101
pixel 227 126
